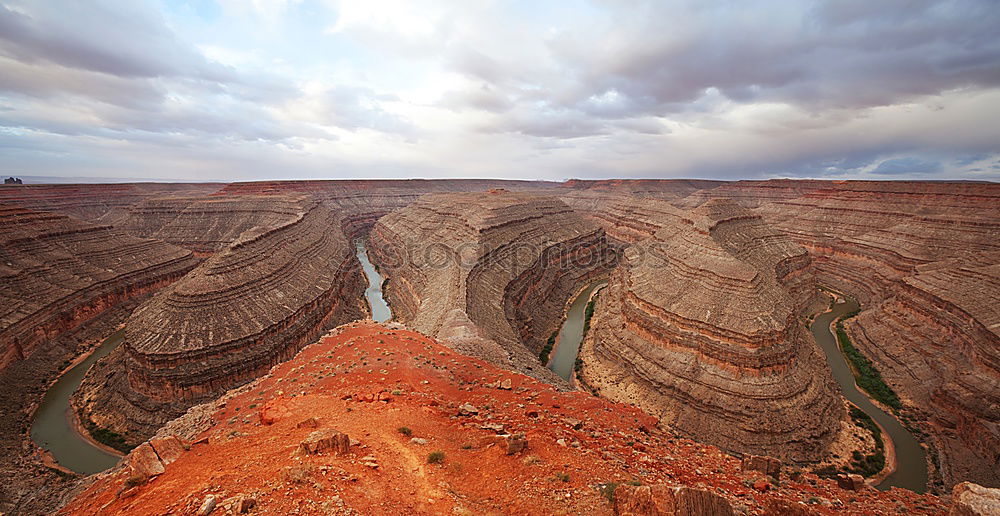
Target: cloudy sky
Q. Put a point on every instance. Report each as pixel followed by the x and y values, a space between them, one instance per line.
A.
pixel 536 89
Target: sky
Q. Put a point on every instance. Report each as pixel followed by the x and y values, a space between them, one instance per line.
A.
pixel 232 90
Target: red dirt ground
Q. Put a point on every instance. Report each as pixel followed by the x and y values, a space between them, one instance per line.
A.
pixel 419 384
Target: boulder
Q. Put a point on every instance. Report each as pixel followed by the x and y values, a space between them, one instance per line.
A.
pixel 144 462
pixel 308 423
pixel 970 499
pixel 207 506
pixel 766 465
pixel 326 439
pixel 244 504
pixel 852 482
pixel 467 409
pixel 663 500
pixel 168 448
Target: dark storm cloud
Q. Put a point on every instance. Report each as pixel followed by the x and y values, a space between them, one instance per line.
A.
pixel 661 58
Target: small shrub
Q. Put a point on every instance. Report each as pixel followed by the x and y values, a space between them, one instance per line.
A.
pixel 405 430
pixel 436 457
pixel 562 476
pixel 608 491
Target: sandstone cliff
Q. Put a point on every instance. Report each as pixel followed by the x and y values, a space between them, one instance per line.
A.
pixel 505 262
pixel 701 326
pixel 245 309
pixel 57 272
pixel 923 260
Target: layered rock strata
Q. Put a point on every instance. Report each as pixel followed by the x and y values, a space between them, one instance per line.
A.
pixel 923 260
pixel 207 224
pixel 93 202
pixel 247 308
pixel 491 270
pixel 701 326
pixel 57 272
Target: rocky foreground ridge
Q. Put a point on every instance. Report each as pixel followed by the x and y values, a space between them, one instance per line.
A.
pixel 245 309
pixel 701 326
pixel 377 419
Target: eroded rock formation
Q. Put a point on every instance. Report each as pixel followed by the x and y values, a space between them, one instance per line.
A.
pixel 924 261
pixel 702 326
pixel 57 272
pixel 492 268
pixel 245 309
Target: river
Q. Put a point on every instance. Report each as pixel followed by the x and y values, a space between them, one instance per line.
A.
pixel 52 428
pixel 911 465
pixel 571 333
pixel 379 307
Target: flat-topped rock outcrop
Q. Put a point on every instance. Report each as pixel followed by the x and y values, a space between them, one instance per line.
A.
pixel 57 272
pixel 505 262
pixel 701 325
pixel 245 309
pixel 207 224
pixel 93 202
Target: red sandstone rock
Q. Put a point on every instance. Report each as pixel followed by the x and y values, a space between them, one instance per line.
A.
pixel 968 499
pixel 168 449
pixel 767 465
pixel 662 500
pixel 326 439
pixel 144 463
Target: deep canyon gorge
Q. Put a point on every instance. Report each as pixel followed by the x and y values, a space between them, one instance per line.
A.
pixel 245 303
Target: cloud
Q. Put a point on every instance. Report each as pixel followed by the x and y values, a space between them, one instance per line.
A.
pixel 580 88
pixel 909 165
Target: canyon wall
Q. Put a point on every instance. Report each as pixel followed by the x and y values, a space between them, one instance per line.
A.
pixel 490 271
pixel 209 223
pixel 924 261
pixel 701 325
pixel 93 202
pixel 57 272
pixel 248 307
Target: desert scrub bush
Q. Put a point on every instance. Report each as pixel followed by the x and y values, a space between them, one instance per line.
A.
pixel 405 430
pixel 608 491
pixel 436 457
pixel 543 356
pixel 867 376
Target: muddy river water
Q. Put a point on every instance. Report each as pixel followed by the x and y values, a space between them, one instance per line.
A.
pixel 52 428
pixel 379 307
pixel 571 334
pixel 911 465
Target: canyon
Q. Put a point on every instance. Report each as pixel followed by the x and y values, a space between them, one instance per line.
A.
pixel 701 332
pixel 701 326
pixel 489 272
